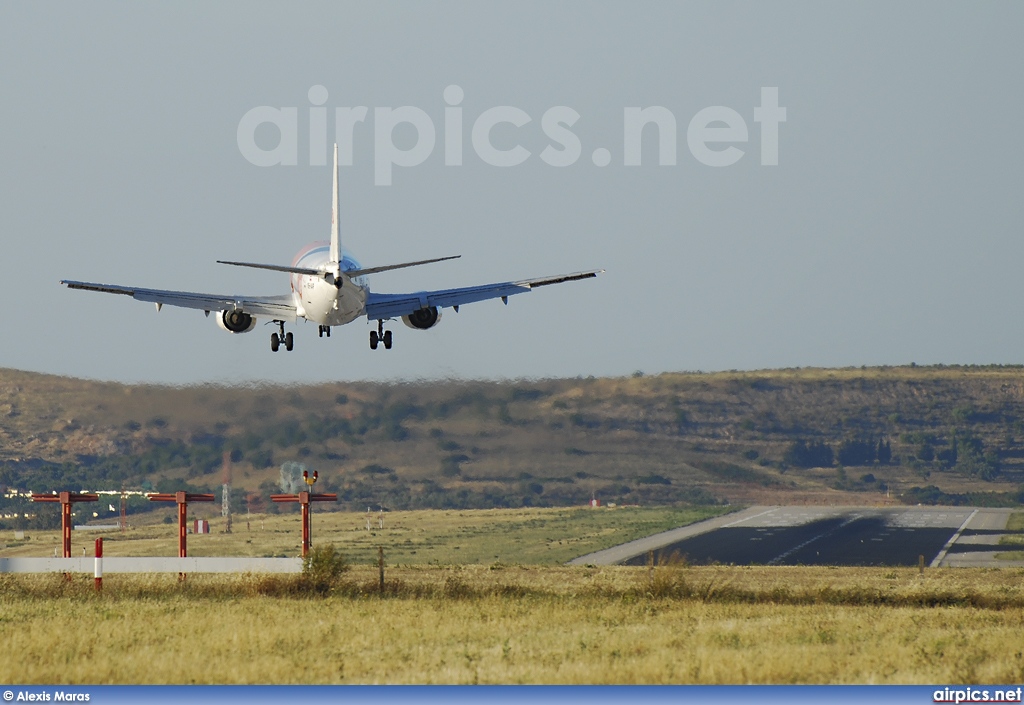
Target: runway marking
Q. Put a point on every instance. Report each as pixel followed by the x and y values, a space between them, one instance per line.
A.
pixel 740 521
pixel 949 544
pixel 783 556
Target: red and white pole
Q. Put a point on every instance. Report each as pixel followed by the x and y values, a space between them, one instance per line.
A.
pixel 98 573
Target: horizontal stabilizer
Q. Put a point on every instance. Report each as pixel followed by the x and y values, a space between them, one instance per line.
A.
pixel 275 267
pixel 389 267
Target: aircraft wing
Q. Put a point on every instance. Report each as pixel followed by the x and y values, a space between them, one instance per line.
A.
pixel 380 306
pixel 279 308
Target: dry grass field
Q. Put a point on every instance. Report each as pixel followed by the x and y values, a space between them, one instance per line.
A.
pixel 501 624
pixel 479 597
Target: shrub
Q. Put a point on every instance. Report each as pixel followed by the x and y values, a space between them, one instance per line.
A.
pixel 322 568
pixel 808 455
pixel 884 452
pixel 856 452
pixel 263 458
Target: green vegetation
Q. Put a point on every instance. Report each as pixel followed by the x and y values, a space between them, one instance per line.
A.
pixel 814 454
pixel 322 569
pixel 1015 522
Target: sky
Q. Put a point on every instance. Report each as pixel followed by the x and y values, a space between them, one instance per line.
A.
pixel 888 232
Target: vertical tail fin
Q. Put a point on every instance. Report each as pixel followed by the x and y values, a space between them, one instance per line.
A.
pixel 335 216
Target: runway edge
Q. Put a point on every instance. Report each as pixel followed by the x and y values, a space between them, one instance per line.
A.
pixel 623 552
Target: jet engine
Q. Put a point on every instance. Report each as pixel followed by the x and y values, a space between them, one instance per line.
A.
pixel 236 321
pixel 423 319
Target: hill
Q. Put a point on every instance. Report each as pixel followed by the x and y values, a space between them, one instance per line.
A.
pixel 868 435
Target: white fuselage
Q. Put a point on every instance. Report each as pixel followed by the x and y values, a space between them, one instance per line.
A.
pixel 319 300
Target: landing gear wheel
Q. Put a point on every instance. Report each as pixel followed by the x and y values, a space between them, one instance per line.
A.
pixel 288 340
pixel 387 340
pixel 320 331
pixel 374 339
pixel 275 342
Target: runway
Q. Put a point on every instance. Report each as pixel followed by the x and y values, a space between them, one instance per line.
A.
pixel 850 536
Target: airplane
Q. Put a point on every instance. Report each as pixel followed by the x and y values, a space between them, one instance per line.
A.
pixel 330 288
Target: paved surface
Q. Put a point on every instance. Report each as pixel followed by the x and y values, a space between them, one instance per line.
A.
pixel 640 547
pixel 858 536
pixel 978 544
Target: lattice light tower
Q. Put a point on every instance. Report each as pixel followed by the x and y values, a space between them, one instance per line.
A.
pixel 225 497
pixel 123 521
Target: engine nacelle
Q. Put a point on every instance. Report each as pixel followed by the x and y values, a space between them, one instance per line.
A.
pixel 423 318
pixel 235 321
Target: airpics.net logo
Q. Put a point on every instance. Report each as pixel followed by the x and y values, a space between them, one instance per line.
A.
pixel 714 136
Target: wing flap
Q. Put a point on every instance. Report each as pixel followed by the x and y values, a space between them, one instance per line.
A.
pixel 273 307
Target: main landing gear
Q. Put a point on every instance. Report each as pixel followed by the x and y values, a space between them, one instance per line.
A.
pixel 277 338
pixel 325 330
pixel 380 336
